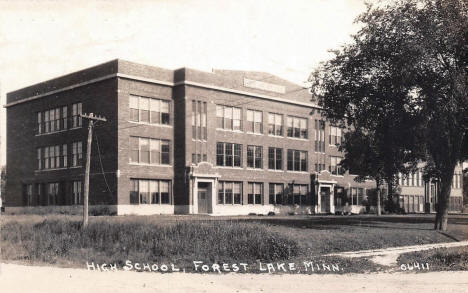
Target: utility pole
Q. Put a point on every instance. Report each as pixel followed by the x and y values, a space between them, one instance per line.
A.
pixel 92 120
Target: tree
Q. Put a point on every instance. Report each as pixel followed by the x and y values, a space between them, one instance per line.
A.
pixel 408 62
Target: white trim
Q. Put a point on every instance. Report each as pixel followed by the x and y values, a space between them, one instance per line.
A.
pixel 166 83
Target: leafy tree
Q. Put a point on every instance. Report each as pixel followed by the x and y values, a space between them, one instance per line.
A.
pixel 407 69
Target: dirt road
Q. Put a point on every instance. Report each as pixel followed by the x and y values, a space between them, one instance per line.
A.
pixel 19 278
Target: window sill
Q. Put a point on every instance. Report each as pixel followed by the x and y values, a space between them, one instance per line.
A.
pixel 199 140
pixel 297 172
pixel 149 124
pixel 54 169
pixel 150 165
pixel 254 169
pixel 277 136
pixel 54 132
pixel 298 138
pixel 230 130
pixel 276 170
pixel 230 168
pixel 253 133
pixel 76 167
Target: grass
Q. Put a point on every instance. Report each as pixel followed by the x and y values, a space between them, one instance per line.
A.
pixel 59 240
pixel 440 259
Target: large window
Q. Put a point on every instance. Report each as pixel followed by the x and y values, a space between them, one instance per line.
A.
pixel 298 194
pixel 229 192
pixel 297 160
pixel 52 120
pixel 229 118
pixel 254 121
pixel 320 136
pixel 297 127
pixel 28 193
pixel 152 151
pixel 255 157
pixel 275 124
pixel 52 157
pixel 319 167
pixel 77 193
pixel 228 154
pixel 276 193
pixel 76 112
pixel 357 195
pixel 255 193
pixel 275 158
pixel 335 135
pixel 52 193
pixel 77 154
pixel 149 110
pixel 334 166
pixel 149 191
pixel 199 120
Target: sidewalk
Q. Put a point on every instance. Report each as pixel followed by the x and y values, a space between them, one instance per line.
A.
pixel 388 256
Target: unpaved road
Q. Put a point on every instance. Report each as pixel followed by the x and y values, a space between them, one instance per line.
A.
pixel 20 278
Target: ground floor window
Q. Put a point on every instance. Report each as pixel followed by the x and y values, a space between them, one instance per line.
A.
pixel 150 191
pixel 356 196
pixel 28 193
pixel 255 193
pixel 77 194
pixel 298 194
pixel 229 192
pixel 52 193
pixel 276 193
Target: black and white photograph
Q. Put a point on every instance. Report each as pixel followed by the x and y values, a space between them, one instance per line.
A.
pixel 233 146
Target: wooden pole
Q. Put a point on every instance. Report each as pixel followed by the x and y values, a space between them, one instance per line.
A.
pixel 91 119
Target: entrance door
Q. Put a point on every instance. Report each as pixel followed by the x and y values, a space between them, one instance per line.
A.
pixel 325 199
pixel 202 201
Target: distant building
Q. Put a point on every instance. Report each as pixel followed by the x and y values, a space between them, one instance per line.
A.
pixel 177 141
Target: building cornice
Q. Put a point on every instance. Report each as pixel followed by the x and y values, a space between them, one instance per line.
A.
pixel 164 83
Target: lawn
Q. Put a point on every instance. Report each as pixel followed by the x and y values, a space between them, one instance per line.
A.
pixel 441 259
pixel 59 240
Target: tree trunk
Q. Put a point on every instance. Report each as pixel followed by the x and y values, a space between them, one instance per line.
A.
pixel 379 209
pixel 443 197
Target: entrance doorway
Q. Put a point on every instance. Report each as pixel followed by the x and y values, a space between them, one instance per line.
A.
pixel 203 197
pixel 325 199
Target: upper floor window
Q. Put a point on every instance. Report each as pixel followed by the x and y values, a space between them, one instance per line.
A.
pixel 199 120
pixel 334 166
pixel 320 136
pixel 335 135
pixel 254 121
pixel 275 124
pixel 228 154
pixel 77 120
pixel 319 167
pixel 297 127
pixel 297 160
pixel 275 158
pixel 229 118
pixel 77 154
pixel 255 193
pixel 229 192
pixel 149 110
pixel 52 120
pixel 149 151
pixel 255 157
pixel 52 157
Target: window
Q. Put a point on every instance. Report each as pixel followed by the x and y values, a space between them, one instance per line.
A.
pixel 77 193
pixel 149 191
pixel 255 193
pixel 276 193
pixel 229 192
pixel 334 137
pixel 275 158
pixel 199 130
pixel 357 195
pixel 334 166
pixel 28 193
pixel 297 160
pixel 77 154
pixel 149 110
pixel 152 151
pixel 297 127
pixel 255 157
pixel 298 194
pixel 228 154
pixel 52 193
pixel 229 118
pixel 254 121
pixel 319 167
pixel 52 157
pixel 76 112
pixel 275 124
pixel 320 136
pixel 52 120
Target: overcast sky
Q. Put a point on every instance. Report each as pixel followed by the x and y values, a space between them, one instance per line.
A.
pixel 44 39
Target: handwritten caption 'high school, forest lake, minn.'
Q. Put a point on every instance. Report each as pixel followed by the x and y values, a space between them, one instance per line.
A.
pixel 200 266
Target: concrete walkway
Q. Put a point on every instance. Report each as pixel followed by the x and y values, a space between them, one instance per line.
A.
pixel 388 256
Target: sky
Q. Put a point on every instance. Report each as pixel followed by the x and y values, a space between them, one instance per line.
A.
pixel 43 39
